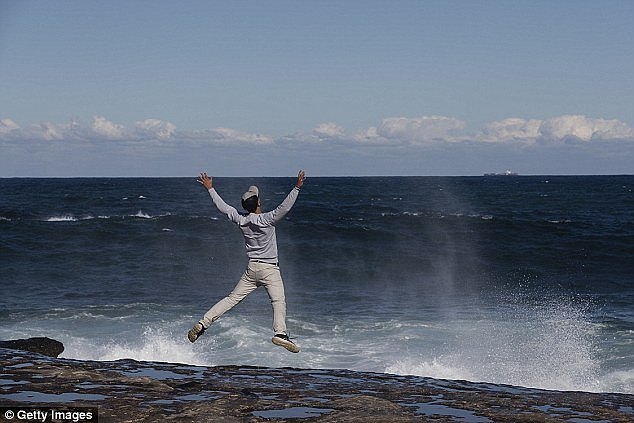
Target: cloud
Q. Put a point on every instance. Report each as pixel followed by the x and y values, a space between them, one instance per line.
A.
pixel 155 129
pixel 371 136
pixel 47 131
pixel 394 131
pixel 7 126
pixel 104 128
pixel 329 130
pixel 231 136
pixel 510 129
pixel 555 129
pixel 584 128
pixel 422 129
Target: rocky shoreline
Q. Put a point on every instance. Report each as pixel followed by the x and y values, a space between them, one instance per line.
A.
pixel 135 391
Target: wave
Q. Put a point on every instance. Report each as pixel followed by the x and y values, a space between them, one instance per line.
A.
pixel 445 368
pixel 438 215
pixel 73 218
pixel 483 216
pixel 549 346
pixel 68 218
pixel 141 215
pixel 153 344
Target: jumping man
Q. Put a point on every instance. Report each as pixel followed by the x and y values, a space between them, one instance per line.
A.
pixel 258 230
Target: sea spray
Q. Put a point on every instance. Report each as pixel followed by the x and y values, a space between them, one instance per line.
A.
pixel 550 345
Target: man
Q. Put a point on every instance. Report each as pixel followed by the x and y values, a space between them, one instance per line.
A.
pixel 258 230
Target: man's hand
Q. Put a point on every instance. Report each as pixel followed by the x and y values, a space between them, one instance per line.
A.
pixel 205 180
pixel 301 177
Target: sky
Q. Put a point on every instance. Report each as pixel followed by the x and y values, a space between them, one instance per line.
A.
pixel 251 88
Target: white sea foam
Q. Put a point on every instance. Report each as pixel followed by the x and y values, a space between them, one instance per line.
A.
pixel 437 215
pixel 153 344
pixel 550 345
pixel 6 219
pixel 62 218
pixel 69 218
pixel 142 215
pixel 435 368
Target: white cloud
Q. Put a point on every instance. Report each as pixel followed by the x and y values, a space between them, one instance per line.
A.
pixel 155 128
pixel 584 128
pixel 422 129
pixel 395 131
pixel 329 130
pixel 510 129
pixel 370 136
pixel 229 135
pixel 555 129
pixel 104 128
pixel 7 126
pixel 47 131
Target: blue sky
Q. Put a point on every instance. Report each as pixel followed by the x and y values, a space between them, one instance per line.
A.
pixel 340 88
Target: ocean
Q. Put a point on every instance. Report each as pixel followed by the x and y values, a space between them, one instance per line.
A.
pixel 522 280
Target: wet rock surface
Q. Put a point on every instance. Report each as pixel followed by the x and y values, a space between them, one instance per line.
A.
pixel 134 391
pixel 41 345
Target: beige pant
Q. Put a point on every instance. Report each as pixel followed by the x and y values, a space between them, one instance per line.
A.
pixel 257 274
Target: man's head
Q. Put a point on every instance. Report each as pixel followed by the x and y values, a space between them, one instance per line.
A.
pixel 250 199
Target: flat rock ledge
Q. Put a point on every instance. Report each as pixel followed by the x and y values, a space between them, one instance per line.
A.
pixel 135 391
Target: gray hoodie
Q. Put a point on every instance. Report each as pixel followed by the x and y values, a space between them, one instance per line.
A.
pixel 258 229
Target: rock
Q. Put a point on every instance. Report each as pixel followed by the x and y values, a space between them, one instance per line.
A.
pixel 135 391
pixel 41 345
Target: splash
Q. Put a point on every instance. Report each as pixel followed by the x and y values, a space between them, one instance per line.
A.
pixel 551 345
pixel 153 344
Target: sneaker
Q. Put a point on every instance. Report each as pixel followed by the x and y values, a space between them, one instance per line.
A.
pixel 195 332
pixel 283 341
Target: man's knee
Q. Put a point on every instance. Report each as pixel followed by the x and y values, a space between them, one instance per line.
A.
pixel 234 298
pixel 278 302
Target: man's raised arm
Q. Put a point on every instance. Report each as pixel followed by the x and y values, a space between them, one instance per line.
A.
pixel 281 210
pixel 220 204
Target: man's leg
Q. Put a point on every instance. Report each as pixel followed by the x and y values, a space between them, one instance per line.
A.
pixel 244 287
pixel 272 280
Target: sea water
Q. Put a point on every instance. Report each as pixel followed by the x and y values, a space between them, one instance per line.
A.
pixel 511 280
